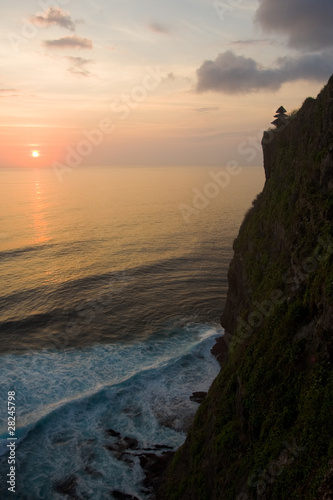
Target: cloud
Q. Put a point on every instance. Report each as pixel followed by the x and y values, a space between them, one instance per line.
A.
pixel 170 76
pixel 69 42
pixel 54 16
pixel 307 23
pixel 9 93
pixel 157 27
pixel 78 66
pixel 174 78
pixel 207 136
pixel 249 42
pixel 234 74
pixel 208 109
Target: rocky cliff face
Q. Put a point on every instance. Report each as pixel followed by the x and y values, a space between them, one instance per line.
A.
pixel 265 429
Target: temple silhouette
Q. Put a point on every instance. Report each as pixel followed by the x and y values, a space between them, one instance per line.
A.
pixel 280 117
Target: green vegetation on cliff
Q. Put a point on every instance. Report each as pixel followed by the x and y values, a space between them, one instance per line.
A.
pixel 265 429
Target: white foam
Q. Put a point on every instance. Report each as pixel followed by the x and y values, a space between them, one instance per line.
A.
pixel 140 390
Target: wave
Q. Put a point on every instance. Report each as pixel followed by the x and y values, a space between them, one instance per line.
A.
pixel 63 248
pixel 68 401
pixel 18 252
pixel 101 307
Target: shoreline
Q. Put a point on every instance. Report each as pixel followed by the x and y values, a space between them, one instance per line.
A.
pixel 220 350
pixel 156 466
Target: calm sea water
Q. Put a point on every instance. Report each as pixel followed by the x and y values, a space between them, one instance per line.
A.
pixel 113 284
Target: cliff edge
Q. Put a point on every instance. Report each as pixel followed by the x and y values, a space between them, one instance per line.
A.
pixel 265 429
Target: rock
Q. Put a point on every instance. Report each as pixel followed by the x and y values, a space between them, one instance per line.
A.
pixel 112 433
pixel 131 443
pixel 326 487
pixel 153 466
pixel 220 350
pixel 278 319
pixel 92 472
pixel 198 397
pixel 119 495
pixel 122 447
pixel 67 487
pixel 158 447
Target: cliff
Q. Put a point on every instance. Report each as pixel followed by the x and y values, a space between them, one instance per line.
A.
pixel 265 429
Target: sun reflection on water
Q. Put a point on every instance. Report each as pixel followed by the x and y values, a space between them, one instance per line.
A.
pixel 39 208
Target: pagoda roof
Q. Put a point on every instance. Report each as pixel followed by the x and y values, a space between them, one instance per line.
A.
pixel 281 110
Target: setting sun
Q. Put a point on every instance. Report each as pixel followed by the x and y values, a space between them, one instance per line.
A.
pixel 35 154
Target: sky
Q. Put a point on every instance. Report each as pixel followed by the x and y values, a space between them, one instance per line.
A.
pixel 152 82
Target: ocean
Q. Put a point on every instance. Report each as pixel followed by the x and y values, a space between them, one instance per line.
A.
pixel 113 282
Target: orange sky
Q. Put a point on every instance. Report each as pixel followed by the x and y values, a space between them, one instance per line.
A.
pixel 119 86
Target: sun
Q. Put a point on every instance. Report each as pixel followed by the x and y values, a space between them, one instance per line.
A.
pixel 35 154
